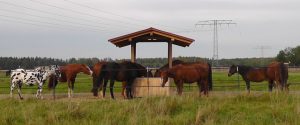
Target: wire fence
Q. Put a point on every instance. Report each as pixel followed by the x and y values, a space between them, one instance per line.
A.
pixel 234 83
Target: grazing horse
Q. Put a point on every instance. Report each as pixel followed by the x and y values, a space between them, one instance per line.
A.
pixel 124 72
pixel 20 76
pixel 69 73
pixel 275 71
pixel 189 73
pixel 96 72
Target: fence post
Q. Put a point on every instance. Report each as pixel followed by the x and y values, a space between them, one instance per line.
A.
pixel 238 82
pixel 148 79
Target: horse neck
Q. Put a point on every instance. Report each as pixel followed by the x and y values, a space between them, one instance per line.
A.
pixel 242 70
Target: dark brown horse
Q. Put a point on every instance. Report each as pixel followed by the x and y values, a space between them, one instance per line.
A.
pixel 124 72
pixel 275 72
pixel 198 72
pixel 69 73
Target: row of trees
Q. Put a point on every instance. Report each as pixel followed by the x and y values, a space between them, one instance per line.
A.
pixel 291 55
pixel 31 62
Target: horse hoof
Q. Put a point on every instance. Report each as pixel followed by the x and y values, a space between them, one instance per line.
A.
pixel 21 98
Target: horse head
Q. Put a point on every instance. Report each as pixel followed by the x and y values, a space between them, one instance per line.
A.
pixel 85 69
pixel 232 70
pixel 164 76
pixel 157 73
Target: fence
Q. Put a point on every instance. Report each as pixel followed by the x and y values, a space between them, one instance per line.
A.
pixel 220 82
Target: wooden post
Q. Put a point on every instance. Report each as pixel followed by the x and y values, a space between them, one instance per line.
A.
pixel 170 53
pixel 133 51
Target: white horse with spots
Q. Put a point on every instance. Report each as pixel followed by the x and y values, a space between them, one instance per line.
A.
pixel 30 78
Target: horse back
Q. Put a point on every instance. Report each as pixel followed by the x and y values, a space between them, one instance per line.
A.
pixel 257 74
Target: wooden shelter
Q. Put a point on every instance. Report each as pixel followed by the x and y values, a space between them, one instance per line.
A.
pixel 151 35
pixel 141 86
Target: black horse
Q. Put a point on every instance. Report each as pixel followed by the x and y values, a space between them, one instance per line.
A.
pixel 123 72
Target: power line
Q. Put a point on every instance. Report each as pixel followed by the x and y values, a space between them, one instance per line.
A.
pixel 48 23
pixel 215 24
pixel 40 25
pixel 82 13
pixel 114 14
pixel 51 13
pixel 42 11
pixel 50 18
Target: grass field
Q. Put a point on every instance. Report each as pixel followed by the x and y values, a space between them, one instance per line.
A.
pixel 259 108
pixel 226 105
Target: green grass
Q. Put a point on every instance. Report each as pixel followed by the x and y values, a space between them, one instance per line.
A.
pixel 237 109
pixel 224 106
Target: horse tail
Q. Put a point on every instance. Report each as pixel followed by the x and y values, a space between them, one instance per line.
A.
pixel 210 84
pixel 283 74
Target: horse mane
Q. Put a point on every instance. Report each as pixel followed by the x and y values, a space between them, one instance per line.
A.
pixel 174 62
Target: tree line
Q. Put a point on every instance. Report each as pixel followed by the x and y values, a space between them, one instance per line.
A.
pixel 290 55
pixel 32 62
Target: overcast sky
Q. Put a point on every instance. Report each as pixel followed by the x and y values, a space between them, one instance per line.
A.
pixel 81 28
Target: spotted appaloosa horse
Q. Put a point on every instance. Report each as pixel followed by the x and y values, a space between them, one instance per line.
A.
pixel 20 76
pixel 275 72
pixel 69 73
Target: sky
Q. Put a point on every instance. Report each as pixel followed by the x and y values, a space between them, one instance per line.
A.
pixel 81 29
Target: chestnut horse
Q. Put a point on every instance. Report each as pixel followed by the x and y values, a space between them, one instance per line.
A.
pixel 275 72
pixel 69 73
pixel 124 72
pixel 189 73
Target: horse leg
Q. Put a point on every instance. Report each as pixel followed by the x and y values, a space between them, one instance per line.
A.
pixel 69 89
pixel 199 87
pixel 180 88
pixel 39 91
pixel 248 86
pixel 19 90
pixel 72 87
pixel 111 88
pixel 123 89
pixel 12 89
pixel 130 88
pixel 104 87
pixel 205 83
pixel 271 84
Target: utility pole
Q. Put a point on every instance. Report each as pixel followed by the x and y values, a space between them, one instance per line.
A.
pixel 262 52
pixel 215 24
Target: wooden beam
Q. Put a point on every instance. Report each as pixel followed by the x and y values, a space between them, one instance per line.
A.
pixel 170 54
pixel 133 51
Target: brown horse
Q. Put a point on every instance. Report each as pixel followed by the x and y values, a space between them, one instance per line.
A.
pixel 189 73
pixel 274 72
pixel 166 67
pixel 69 73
